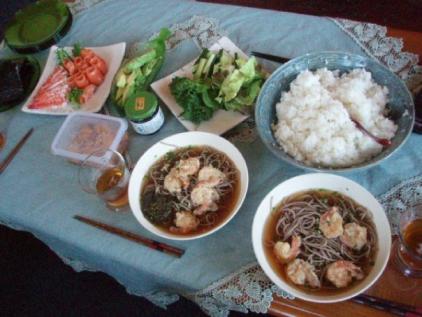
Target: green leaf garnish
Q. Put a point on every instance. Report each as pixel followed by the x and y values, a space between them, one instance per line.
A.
pixel 77 48
pixel 62 55
pixel 74 95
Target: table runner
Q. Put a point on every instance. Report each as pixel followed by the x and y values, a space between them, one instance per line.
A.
pixel 39 192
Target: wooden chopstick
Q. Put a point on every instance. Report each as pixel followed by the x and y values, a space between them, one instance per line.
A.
pixel 386 305
pixel 274 58
pixel 159 246
pixel 15 150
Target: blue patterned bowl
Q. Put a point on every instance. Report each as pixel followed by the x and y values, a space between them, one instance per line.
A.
pixel 400 101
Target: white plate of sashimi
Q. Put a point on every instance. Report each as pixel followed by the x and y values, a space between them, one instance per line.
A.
pixel 75 79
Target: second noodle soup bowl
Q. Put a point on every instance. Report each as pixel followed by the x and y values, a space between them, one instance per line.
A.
pixel 174 142
pixel 343 186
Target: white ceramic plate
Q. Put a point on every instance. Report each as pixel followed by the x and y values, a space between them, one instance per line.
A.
pixel 113 56
pixel 169 144
pixel 221 121
pixel 335 183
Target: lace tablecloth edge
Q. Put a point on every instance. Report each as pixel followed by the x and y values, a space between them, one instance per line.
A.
pixel 373 40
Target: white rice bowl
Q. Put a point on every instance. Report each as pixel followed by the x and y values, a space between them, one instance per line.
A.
pixel 314 124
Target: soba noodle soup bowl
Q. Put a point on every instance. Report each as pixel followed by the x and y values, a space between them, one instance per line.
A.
pixel 324 183
pixel 168 157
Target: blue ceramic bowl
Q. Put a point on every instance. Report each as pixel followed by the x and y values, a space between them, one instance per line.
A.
pixel 400 101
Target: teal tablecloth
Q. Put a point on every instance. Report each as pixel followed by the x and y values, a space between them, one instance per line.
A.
pixel 39 192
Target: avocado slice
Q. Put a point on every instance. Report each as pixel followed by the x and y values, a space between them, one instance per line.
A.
pixel 141 60
pixel 121 80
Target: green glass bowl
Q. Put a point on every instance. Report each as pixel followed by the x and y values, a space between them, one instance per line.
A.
pixel 38 26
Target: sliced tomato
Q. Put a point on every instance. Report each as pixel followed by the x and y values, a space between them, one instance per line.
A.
pixel 94 75
pixel 80 80
pixel 87 93
pixel 84 66
pixel 99 63
pixel 71 82
pixel 75 74
pixel 78 61
pixel 87 53
pixel 69 66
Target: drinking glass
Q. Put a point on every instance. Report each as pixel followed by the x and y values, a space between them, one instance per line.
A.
pixel 106 174
pixel 407 249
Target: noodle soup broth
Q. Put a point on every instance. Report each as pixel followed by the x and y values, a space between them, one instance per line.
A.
pixel 163 202
pixel 299 215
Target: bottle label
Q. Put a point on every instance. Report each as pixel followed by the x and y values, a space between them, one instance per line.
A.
pixel 150 126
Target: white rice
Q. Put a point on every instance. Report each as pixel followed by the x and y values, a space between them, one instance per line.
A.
pixel 314 124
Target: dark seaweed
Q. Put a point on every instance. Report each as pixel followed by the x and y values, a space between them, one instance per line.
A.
pixel 15 77
pixel 157 208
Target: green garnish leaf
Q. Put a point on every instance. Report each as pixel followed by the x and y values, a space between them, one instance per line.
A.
pixel 74 95
pixel 188 94
pixel 62 55
pixel 77 48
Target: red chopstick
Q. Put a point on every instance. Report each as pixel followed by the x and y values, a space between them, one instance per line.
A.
pixel 159 246
pixel 391 307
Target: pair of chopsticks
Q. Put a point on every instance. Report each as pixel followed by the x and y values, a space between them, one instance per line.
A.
pixel 15 150
pixel 397 309
pixel 155 245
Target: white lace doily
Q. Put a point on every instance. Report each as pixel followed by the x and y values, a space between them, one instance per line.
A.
pixel 204 31
pixel 77 6
pixel 373 39
pixel 400 198
pixel 247 289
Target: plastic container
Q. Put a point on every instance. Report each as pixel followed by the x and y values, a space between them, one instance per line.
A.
pixel 83 133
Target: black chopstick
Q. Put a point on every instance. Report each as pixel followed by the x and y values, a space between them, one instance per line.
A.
pixel 274 58
pixel 386 305
pixel 155 245
pixel 15 150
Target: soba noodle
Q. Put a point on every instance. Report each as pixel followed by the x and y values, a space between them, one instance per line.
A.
pixel 299 215
pixel 182 201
